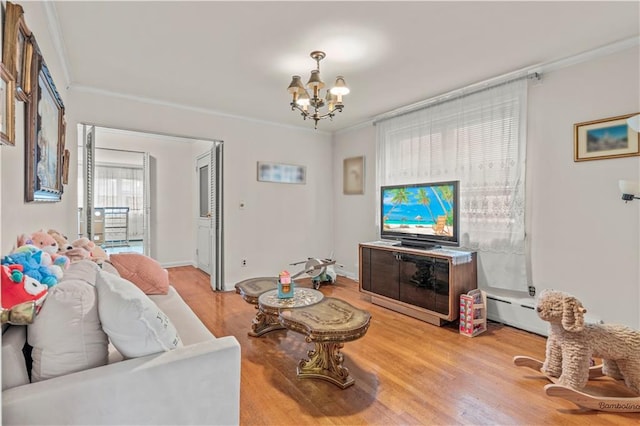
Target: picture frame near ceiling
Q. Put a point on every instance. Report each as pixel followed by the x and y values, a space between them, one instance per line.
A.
pixel 281 173
pixel 7 108
pixel 45 135
pixel 605 138
pixel 353 176
pixel 17 49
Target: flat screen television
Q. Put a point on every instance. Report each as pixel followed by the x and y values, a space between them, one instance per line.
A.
pixel 424 215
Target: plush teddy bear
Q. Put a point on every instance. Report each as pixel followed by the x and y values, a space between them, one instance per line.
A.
pixel 18 287
pixel 91 251
pixel 63 242
pixel 36 264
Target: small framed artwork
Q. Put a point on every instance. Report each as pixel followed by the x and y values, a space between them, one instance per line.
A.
pixel 7 108
pixel 44 142
pixel 281 173
pixel 66 158
pixel 353 176
pixel 17 47
pixel 23 73
pixel 606 138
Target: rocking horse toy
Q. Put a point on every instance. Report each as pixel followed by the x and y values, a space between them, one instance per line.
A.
pixel 572 345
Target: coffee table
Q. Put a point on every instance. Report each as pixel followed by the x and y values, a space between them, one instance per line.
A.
pixel 266 319
pixel 270 305
pixel 250 290
pixel 328 324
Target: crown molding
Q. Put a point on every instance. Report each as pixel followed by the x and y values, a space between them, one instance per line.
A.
pixel 56 37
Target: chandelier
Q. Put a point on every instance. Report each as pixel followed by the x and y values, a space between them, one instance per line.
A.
pixel 311 106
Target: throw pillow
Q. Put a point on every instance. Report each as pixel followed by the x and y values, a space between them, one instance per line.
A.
pixel 135 325
pixel 143 271
pixel 66 335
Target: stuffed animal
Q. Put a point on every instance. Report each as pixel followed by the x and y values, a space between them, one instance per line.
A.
pixel 63 242
pixel 18 287
pixel 35 263
pixel 89 250
pixel 572 343
pixel 46 243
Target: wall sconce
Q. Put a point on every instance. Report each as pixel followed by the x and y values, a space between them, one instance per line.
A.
pixel 630 189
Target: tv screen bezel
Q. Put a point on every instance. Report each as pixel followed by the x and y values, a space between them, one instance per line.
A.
pixel 422 240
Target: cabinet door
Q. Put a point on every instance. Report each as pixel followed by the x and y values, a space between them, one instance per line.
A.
pixel 365 272
pixel 384 273
pixel 417 281
pixel 441 282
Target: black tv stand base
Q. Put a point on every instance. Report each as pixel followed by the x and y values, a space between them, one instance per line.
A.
pixel 422 246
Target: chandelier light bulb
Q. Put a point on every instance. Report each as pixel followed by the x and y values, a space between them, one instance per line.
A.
pixel 303 99
pixel 340 87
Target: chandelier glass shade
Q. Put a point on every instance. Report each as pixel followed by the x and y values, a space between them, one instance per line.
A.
pixel 312 106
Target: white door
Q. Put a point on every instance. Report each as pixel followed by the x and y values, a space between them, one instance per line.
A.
pixel 205 213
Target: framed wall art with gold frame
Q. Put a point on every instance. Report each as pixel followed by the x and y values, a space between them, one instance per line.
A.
pixel 605 138
pixel 17 49
pixel 45 136
pixel 7 108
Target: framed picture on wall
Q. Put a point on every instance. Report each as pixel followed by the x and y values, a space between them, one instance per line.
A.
pixel 44 142
pixel 17 47
pixel 7 107
pixel 281 173
pixel 605 138
pixel 353 176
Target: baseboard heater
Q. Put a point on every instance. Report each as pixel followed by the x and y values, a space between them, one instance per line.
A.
pixel 516 314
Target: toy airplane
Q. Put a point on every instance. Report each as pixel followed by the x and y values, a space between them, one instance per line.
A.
pixel 320 271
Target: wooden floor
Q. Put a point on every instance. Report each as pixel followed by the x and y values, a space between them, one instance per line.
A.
pixel 407 372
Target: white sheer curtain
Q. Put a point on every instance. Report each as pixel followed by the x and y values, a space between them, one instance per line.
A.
pixel 121 186
pixel 478 139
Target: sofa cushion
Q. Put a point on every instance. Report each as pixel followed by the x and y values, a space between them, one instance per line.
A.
pixel 135 325
pixel 14 367
pixel 66 335
pixel 143 271
pixel 189 326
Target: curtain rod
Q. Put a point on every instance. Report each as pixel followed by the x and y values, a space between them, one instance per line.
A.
pixel 528 72
pixel 459 93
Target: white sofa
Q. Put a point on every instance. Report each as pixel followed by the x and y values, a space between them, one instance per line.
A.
pixel 195 383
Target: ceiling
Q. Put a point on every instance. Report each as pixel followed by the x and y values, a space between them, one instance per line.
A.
pixel 237 58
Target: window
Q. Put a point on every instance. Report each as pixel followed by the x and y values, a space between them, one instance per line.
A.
pixel 122 186
pixel 478 139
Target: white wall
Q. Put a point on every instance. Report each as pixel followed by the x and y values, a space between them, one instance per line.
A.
pixel 584 239
pixel 354 215
pixel 280 224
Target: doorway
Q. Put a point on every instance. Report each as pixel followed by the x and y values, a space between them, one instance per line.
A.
pixel 167 224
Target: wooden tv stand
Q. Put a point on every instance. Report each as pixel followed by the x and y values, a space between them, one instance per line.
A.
pixel 424 284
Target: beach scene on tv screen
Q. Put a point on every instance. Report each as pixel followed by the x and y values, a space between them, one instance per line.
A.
pixel 425 210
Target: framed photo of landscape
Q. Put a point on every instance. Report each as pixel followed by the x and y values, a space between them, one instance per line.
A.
pixel 605 138
pixel 44 142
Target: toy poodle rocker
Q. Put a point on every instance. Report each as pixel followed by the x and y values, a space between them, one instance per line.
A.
pixel 571 346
